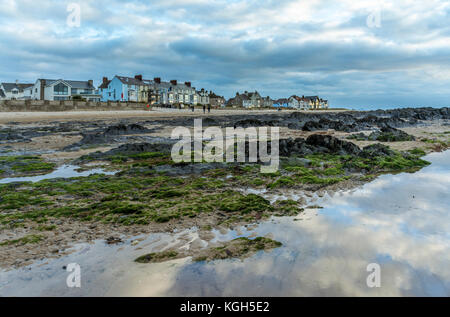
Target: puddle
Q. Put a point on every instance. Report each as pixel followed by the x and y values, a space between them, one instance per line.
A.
pixel 65 171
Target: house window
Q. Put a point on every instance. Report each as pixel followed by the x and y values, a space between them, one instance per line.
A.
pixel 61 89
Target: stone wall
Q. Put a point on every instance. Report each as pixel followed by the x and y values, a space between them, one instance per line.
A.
pixel 67 105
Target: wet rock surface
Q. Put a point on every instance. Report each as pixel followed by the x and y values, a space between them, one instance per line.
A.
pixel 109 135
pixel 317 143
pixel 376 150
pixel 385 134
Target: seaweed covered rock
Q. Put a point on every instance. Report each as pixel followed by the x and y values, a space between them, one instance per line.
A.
pixel 317 143
pixel 246 123
pixel 330 144
pixel 136 148
pixel 325 124
pixel 376 150
pixel 290 146
pixel 237 248
pixel 390 134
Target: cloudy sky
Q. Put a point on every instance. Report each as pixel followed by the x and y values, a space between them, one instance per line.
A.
pixel 358 54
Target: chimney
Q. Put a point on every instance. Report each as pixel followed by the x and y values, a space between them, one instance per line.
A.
pixel 187 83
pixel 138 77
pixel 105 80
pixel 157 80
pixel 173 82
pixel 91 82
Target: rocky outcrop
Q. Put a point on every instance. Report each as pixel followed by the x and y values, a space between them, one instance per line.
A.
pixel 375 150
pixel 317 143
pixel 136 148
pixel 330 144
pixel 255 123
pixel 121 129
pixel 109 134
pixel 385 134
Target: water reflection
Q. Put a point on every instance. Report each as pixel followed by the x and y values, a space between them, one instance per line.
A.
pixel 400 221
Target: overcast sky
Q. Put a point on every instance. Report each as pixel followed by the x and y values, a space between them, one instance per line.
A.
pixel 358 54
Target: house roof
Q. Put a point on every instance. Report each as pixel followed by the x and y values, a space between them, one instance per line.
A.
pixel 256 94
pixel 10 86
pixel 280 101
pixel 130 81
pixel 77 84
pixel 296 98
pixel 104 84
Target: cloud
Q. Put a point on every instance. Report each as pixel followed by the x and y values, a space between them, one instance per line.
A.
pixel 277 47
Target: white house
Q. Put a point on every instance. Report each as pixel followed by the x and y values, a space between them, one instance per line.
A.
pixel 60 89
pixel 15 91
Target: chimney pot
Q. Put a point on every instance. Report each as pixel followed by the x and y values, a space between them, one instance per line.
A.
pixel 173 82
pixel 157 80
pixel 138 77
pixel 105 80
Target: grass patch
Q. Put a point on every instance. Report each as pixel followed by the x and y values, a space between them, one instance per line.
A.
pixel 237 248
pixel 157 257
pixel 30 239
pixel 24 165
pixel 236 202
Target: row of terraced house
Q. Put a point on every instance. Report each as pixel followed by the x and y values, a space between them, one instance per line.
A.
pixel 150 91
pixel 119 88
pixel 255 100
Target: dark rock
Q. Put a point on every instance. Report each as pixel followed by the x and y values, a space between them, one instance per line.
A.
pixel 210 122
pixel 113 240
pixel 375 150
pixel 136 148
pixel 330 144
pixel 326 124
pixel 248 123
pixel 317 143
pixel 122 129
